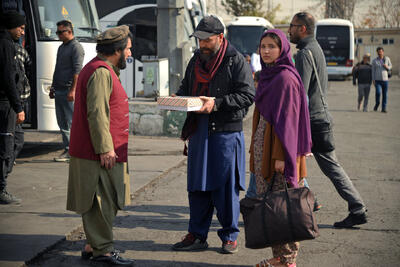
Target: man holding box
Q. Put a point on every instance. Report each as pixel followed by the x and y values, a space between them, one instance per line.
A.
pixel 221 77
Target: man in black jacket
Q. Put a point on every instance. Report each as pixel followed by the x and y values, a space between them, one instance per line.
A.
pixel 362 73
pixel 315 80
pixel 11 111
pixel 216 154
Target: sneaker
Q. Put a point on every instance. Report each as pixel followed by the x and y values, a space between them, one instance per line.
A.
pixel 64 157
pixel 229 247
pixel 384 111
pixel 190 243
pixel 7 198
pixel 375 108
pixel 351 220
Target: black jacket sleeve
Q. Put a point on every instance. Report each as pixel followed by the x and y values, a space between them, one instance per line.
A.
pixel 184 89
pixel 242 92
pixel 9 74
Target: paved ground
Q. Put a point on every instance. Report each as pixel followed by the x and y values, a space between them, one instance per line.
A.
pixel 368 146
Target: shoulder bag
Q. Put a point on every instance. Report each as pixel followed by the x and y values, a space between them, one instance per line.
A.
pixel 388 71
pixel 279 217
pixel 321 131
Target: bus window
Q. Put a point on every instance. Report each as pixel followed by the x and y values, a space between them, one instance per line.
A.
pixel 335 42
pixel 245 38
pixel 79 12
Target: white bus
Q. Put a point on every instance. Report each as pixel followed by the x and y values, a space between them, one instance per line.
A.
pixel 42 43
pixel 141 15
pixel 336 38
pixel 245 33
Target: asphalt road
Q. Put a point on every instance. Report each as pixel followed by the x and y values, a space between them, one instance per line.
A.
pixel 368 147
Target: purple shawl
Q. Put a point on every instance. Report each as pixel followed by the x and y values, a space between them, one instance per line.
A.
pixel 281 100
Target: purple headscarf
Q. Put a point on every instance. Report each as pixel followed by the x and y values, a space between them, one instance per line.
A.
pixel 281 100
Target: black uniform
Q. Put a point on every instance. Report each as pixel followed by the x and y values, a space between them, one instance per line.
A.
pixel 10 104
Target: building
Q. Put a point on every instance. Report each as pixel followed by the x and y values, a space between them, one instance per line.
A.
pixel 367 40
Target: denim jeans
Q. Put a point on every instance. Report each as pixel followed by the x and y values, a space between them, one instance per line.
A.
pixel 381 87
pixel 329 165
pixel 252 188
pixel 64 111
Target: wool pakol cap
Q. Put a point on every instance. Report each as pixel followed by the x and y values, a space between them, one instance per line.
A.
pixel 208 26
pixel 113 35
pixel 13 19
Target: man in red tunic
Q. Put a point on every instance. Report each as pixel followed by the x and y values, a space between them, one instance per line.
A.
pixel 98 183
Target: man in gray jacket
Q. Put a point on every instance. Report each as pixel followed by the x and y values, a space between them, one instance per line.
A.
pixel 69 62
pixel 301 32
pixel 380 77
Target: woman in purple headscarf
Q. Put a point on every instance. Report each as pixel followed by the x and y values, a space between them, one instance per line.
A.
pixel 281 136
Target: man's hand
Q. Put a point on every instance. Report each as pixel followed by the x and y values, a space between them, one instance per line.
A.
pixel 107 160
pixel 279 166
pixel 20 117
pixel 208 105
pixel 52 93
pixel 71 95
pixel 386 66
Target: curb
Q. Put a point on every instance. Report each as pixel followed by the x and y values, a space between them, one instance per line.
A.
pixel 79 228
pixel 150 184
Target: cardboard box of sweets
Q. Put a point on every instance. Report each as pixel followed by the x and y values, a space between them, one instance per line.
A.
pixel 179 103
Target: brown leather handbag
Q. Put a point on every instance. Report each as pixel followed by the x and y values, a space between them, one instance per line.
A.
pixel 279 217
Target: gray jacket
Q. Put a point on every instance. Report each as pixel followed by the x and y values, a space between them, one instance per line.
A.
pixel 318 112
pixel 379 72
pixel 69 62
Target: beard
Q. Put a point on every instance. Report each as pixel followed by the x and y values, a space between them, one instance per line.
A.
pixel 294 39
pixel 121 62
pixel 206 54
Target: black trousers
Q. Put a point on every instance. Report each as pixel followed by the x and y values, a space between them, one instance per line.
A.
pixel 7 141
pixel 18 140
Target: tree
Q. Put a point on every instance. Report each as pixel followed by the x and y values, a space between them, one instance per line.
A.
pixel 243 8
pixel 253 8
pixel 343 9
pixel 385 13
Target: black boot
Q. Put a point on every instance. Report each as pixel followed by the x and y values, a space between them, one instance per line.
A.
pixel 7 198
pixel 351 220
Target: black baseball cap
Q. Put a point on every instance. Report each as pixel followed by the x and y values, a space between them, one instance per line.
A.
pixel 208 26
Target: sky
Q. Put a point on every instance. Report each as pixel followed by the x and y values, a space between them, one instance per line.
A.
pixel 291 7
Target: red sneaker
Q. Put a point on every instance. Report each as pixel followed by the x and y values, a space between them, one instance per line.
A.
pixel 229 247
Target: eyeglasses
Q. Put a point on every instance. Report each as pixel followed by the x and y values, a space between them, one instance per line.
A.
pixel 295 25
pixel 60 32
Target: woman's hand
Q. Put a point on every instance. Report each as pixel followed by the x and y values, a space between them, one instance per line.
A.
pixel 279 166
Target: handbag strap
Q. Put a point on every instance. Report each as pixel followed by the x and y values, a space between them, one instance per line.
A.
pixel 288 206
pixel 318 82
pixel 289 212
pixel 316 76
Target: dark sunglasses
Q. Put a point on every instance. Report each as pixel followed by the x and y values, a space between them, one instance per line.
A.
pixel 295 25
pixel 60 32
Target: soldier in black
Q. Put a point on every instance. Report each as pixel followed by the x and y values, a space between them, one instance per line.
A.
pixel 11 110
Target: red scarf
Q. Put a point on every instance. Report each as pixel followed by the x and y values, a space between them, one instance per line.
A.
pixel 205 75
